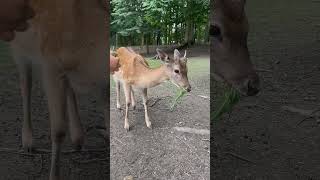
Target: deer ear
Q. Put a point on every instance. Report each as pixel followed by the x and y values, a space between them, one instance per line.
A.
pixel 177 54
pixel 184 58
pixel 163 56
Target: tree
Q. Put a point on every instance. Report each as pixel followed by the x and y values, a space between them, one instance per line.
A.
pixel 144 22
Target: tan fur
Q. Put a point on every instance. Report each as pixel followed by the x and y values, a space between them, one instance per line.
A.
pixel 132 65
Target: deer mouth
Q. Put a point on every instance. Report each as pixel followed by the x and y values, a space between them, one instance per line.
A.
pixel 249 86
pixel 187 89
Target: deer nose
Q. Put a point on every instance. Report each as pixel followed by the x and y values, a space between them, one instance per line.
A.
pixel 253 87
pixel 188 88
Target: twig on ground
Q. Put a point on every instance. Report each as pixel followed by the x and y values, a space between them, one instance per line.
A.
pixel 240 157
pixel 204 97
pixel 118 141
pixel 303 112
pixel 192 130
pixel 308 113
pixel 91 160
pixel 157 100
pixel 263 70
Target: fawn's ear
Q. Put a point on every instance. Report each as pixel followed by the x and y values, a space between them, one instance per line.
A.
pixel 184 58
pixel 176 55
pixel 163 56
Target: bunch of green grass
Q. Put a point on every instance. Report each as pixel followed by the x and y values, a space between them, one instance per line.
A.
pixel 225 104
pixel 177 98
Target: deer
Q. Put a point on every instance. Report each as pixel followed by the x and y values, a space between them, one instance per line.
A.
pixel 71 57
pixel 230 56
pixel 135 75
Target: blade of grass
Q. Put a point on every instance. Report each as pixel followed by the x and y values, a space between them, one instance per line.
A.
pixel 180 93
pixel 230 98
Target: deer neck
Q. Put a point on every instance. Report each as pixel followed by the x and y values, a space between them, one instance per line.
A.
pixel 154 77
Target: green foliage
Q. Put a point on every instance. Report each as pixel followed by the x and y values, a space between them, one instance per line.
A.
pixel 138 22
pixel 230 98
pixel 180 93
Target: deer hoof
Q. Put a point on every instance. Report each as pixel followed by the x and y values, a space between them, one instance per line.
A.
pixel 27 149
pixel 77 147
pixel 27 142
pixel 149 125
pixel 126 126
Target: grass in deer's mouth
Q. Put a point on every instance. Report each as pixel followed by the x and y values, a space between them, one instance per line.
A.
pixel 225 104
pixel 180 93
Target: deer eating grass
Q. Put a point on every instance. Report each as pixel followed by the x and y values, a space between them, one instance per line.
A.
pixel 135 74
pixel 68 41
pixel 229 52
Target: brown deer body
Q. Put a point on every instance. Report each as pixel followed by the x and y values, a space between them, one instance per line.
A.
pixel 135 73
pixel 72 56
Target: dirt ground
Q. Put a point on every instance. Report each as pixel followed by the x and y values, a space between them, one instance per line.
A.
pixel 16 165
pixel 260 139
pixel 160 153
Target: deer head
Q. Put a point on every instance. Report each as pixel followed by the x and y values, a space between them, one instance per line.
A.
pixel 229 52
pixel 176 68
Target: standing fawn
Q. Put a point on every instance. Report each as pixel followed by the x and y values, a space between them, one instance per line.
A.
pixel 229 51
pixel 68 41
pixel 135 73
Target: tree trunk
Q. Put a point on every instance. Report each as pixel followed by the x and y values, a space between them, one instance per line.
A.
pixel 117 40
pixel 142 42
pixel 147 43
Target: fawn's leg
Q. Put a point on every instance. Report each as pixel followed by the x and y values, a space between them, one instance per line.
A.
pixel 118 94
pixel 55 85
pixel 133 101
pixel 127 93
pixel 145 99
pixel 25 72
pixel 75 127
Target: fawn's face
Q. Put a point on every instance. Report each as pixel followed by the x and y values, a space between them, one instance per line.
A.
pixel 229 52
pixel 176 68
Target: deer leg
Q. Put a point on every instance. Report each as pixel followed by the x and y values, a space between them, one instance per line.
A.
pixel 127 93
pixel 25 71
pixel 75 127
pixel 118 94
pixel 55 86
pixel 133 101
pixel 145 99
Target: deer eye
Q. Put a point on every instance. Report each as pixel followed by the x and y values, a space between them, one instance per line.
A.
pixel 177 71
pixel 215 31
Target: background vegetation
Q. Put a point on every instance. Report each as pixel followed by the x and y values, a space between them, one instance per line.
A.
pixel 159 22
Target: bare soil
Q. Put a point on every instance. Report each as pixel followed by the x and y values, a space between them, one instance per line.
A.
pixel 260 139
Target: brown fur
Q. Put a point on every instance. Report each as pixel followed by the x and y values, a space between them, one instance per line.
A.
pixel 55 27
pixel 68 39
